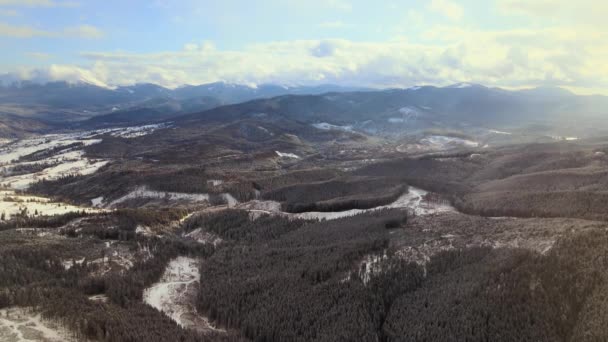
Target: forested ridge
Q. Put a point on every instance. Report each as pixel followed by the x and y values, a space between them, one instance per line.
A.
pixel 34 275
pixel 308 285
pixel 274 279
pixel 270 277
pixel 338 195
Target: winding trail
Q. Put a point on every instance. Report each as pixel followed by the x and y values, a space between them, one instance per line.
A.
pixel 414 200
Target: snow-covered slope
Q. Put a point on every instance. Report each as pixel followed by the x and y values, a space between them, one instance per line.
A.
pixel 414 200
pixel 176 292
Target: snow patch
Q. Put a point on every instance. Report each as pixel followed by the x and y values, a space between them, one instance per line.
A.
pixel 461 85
pixel 328 127
pixel 370 266
pixel 175 293
pixel 408 111
pixel 415 200
pixel 76 167
pixel 12 204
pixel 499 132
pixel 135 131
pixel 144 192
pixel 13 151
pixel 562 138
pixel 142 230
pixel 230 200
pixel 215 182
pixel 23 324
pixel 440 142
pixel 67 264
pixel 204 237
pixel 97 201
pixel 436 143
pixel 61 158
pixel 287 155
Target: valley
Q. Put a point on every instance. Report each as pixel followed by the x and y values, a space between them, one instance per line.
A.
pixel 263 220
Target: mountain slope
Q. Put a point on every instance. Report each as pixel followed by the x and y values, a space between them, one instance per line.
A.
pixel 13 127
pixel 63 101
pixel 399 111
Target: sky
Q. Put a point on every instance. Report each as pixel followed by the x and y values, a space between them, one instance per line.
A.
pixel 384 43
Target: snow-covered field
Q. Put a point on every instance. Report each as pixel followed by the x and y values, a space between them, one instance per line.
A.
pixel 77 165
pixel 442 142
pixel 132 132
pixel 13 151
pixel 12 204
pixel 176 292
pixel 413 200
pixel 51 157
pixel 64 154
pixel 21 324
pixel 437 143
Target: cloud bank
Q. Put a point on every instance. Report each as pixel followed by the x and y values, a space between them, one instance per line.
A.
pixel 38 3
pixel 82 31
pixel 544 42
pixel 511 58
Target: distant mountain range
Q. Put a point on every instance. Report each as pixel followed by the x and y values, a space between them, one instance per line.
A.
pixel 462 107
pixel 57 101
pixel 84 105
pixel 389 111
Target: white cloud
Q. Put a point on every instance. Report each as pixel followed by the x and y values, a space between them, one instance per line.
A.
pixel 534 7
pixel 332 25
pixel 83 31
pixel 38 3
pixel 190 47
pixel 8 13
pixel 568 57
pixel 54 72
pixel 342 5
pixel 585 13
pixel 446 8
pixel 39 55
pixel 414 18
pixel 22 31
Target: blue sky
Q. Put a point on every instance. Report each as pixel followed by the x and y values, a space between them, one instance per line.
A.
pixel 507 43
